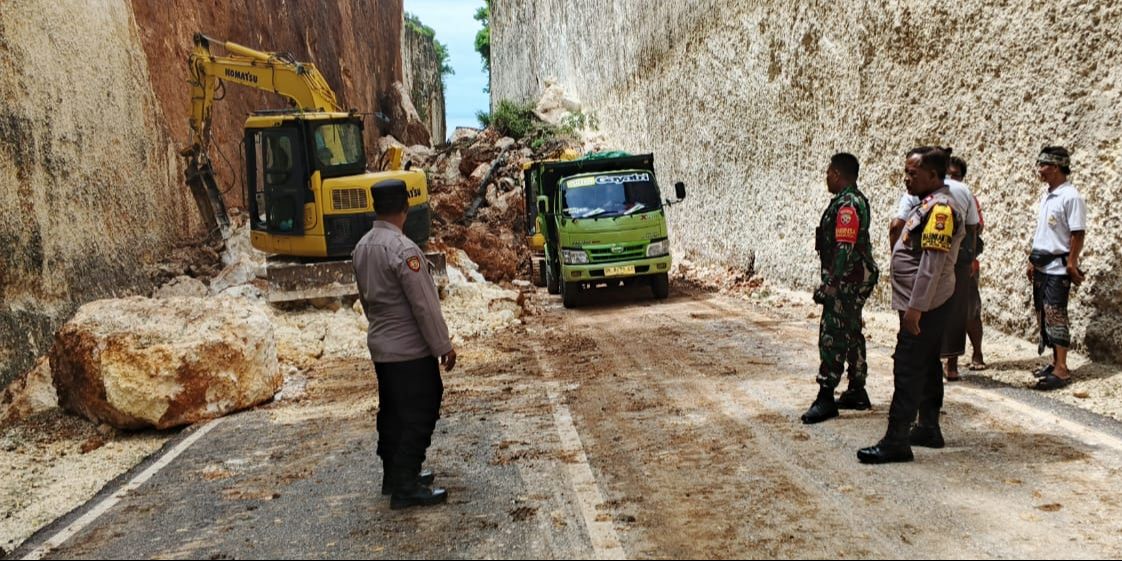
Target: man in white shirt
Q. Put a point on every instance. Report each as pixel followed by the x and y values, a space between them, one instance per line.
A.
pixel 1054 263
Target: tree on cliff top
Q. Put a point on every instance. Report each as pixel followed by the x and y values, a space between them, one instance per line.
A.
pixel 483 39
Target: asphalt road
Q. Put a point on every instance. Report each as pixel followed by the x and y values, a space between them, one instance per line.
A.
pixel 626 428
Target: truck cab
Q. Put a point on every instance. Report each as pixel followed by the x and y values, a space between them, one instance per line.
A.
pixel 599 220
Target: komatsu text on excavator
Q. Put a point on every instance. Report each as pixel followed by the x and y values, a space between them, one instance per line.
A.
pixel 308 190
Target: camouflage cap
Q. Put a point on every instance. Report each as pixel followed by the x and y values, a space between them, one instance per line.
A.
pixel 1054 159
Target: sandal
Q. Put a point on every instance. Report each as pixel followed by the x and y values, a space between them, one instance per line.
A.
pixel 978 366
pixel 1044 372
pixel 1052 382
pixel 952 375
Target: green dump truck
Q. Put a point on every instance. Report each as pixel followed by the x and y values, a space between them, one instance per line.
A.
pixel 597 220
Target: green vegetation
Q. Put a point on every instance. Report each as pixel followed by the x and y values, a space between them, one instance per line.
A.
pixel 579 121
pixel 484 118
pixel 518 121
pixel 442 57
pixel 483 39
pixel 514 119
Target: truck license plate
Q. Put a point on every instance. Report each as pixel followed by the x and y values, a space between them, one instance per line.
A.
pixel 619 271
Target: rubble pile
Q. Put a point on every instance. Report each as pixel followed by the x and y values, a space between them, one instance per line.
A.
pixel 475 184
pixel 308 333
pixel 28 394
pixel 477 200
pixel 717 278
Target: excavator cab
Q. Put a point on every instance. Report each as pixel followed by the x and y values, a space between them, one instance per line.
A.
pixel 277 176
pixel 281 159
pixel 308 190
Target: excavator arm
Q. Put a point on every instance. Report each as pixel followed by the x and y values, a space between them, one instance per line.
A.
pixel 299 82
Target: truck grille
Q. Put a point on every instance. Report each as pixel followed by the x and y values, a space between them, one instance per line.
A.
pixel 348 199
pixel 616 252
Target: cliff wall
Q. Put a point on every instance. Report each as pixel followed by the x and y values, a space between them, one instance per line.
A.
pixel 421 76
pixel 746 101
pixel 95 110
pixel 91 189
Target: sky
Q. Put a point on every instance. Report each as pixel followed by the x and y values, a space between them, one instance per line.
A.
pixel 454 26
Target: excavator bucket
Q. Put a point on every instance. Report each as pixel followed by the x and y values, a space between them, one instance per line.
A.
pixel 200 178
pixel 438 264
pixel 291 281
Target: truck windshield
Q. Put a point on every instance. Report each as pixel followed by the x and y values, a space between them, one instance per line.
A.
pixel 338 144
pixel 617 194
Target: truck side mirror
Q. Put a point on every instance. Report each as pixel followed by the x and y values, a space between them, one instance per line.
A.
pixel 680 190
pixel 542 204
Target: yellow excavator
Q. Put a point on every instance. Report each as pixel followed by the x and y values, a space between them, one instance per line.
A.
pixel 308 189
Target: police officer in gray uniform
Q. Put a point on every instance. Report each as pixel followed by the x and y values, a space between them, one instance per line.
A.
pixel 406 336
pixel 923 280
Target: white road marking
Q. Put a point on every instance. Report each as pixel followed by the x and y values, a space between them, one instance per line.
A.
pixel 605 542
pixel 1088 434
pixel 602 534
pixel 111 501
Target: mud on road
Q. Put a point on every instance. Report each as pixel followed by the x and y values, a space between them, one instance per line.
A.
pixel 633 428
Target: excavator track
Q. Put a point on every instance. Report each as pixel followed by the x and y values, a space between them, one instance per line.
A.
pixel 292 280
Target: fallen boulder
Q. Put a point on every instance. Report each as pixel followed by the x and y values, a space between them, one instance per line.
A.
pixel 137 362
pixel 28 394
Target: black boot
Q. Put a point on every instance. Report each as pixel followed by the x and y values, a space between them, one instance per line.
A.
pixel 927 436
pixel 893 447
pixel 425 478
pixel 822 409
pixel 854 398
pixel 408 491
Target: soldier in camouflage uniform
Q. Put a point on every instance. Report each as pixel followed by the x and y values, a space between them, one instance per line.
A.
pixel 849 275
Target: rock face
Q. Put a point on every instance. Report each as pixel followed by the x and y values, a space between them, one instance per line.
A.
pixel 91 190
pixel 421 75
pixel 746 102
pixel 356 45
pixel 406 123
pixel 93 186
pixel 136 363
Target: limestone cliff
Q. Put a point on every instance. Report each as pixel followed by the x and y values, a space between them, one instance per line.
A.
pixel 95 109
pixel 91 189
pixel 746 101
pixel 356 45
pixel 421 76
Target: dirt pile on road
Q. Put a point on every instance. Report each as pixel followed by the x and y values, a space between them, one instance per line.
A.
pixel 477 200
pixel 28 394
pixel 716 278
pixel 310 332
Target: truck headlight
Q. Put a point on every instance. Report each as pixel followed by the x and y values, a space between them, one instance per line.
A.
pixel 574 256
pixel 658 249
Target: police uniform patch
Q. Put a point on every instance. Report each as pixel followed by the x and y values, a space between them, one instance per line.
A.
pixel 414 263
pixel 939 231
pixel 847 225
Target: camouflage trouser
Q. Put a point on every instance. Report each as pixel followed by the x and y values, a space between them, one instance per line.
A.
pixel 840 340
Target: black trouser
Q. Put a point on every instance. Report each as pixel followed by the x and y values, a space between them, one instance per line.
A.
pixel 409 395
pixel 917 373
pixel 954 338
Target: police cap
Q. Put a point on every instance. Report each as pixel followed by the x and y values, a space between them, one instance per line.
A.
pixel 390 196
